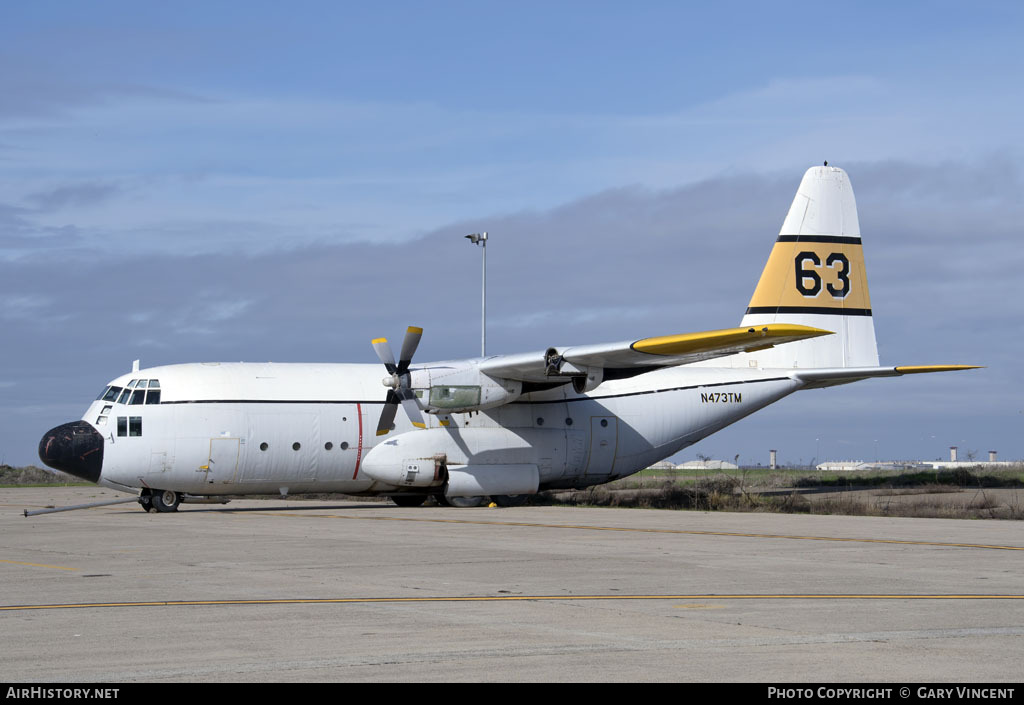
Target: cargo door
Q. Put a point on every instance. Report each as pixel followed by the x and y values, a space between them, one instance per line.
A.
pixel 223 460
pixel 604 433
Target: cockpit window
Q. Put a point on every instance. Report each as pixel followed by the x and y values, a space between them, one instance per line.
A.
pixel 138 391
pixel 110 393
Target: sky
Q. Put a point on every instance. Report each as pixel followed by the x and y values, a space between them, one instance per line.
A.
pixel 286 181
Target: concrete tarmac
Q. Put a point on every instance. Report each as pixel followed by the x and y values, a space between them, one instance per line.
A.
pixel 278 590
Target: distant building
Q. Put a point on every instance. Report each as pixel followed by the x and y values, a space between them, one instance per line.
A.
pixel 707 465
pixel 951 465
pixel 662 465
pixel 893 465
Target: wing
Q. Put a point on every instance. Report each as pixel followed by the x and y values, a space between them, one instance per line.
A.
pixel 629 358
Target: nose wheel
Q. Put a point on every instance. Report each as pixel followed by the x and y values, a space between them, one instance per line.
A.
pixel 160 500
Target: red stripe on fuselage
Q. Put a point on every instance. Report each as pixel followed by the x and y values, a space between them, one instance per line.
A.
pixel 359 448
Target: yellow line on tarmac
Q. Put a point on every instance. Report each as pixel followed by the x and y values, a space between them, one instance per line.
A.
pixel 649 531
pixel 36 565
pixel 501 598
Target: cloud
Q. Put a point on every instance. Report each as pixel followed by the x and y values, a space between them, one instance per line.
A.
pixel 76 195
pixel 33 89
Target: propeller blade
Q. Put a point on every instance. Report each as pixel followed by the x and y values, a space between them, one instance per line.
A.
pixel 383 350
pixel 409 345
pixel 398 381
pixel 387 414
pixel 412 409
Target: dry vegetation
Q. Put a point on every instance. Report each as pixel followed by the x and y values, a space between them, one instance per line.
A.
pixel 960 494
pixel 30 475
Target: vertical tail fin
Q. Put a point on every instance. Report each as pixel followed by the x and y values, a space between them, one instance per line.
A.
pixel 815 277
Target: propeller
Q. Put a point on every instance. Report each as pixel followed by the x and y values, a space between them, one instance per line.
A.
pixel 398 381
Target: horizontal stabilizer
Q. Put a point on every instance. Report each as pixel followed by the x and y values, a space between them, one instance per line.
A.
pixel 829 376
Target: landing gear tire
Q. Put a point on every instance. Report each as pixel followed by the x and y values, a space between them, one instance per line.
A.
pixel 165 500
pixel 510 500
pixel 146 501
pixel 409 500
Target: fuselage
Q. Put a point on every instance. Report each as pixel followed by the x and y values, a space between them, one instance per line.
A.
pixel 248 428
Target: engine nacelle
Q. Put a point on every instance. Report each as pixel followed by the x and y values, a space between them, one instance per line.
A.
pixel 584 379
pixel 589 380
pixel 457 389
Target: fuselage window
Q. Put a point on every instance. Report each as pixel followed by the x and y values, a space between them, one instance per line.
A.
pixel 328 445
pixel 134 425
pixel 296 446
pixel 264 446
pixel 122 425
pixel 344 445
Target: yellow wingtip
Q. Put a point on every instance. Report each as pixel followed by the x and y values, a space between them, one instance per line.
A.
pixel 920 369
pixel 762 336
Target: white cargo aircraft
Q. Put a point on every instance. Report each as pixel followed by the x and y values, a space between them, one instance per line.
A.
pixel 501 426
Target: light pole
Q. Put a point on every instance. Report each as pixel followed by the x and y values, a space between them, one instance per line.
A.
pixel 481 239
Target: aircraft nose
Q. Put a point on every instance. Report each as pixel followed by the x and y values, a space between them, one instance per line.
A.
pixel 75 448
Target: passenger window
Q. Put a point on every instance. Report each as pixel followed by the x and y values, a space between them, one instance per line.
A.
pixel 134 425
pixel 122 425
pixel 153 396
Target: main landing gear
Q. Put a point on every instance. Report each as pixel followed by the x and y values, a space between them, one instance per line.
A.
pixel 160 500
